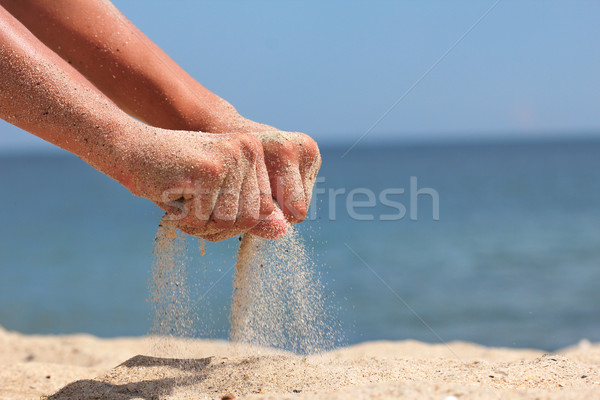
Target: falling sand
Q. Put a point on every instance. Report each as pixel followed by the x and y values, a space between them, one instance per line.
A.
pixel 170 293
pixel 278 299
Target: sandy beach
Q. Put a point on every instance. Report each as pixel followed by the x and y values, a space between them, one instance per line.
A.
pixel 83 366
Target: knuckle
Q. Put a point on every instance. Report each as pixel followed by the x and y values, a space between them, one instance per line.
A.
pixel 317 162
pixel 266 205
pixel 214 169
pixel 249 144
pixel 221 222
pixel 246 222
pixel 222 218
pixel 309 145
pixel 288 147
pixel 252 140
pixel 299 213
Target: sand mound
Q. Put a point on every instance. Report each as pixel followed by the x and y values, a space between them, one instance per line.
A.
pixel 217 369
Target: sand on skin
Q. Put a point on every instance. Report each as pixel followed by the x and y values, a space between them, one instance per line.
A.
pixel 82 366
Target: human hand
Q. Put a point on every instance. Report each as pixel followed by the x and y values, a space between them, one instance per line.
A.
pixel 211 185
pixel 293 161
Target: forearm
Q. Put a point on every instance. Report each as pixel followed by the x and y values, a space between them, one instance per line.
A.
pixel 128 67
pixel 42 94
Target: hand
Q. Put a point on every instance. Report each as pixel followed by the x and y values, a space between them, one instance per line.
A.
pixel 293 161
pixel 211 185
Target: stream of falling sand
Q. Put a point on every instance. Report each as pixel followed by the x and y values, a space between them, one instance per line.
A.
pixel 170 297
pixel 278 299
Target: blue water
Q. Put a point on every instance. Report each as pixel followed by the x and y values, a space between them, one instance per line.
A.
pixel 514 259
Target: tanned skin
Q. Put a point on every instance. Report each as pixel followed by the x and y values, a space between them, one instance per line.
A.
pixel 192 149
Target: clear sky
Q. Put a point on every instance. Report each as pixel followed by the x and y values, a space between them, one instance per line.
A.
pixel 331 69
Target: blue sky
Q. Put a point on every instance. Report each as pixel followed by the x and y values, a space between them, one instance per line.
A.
pixel 331 69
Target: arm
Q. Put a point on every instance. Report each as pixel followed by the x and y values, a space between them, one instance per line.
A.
pixel 220 181
pixel 96 39
pixel 138 76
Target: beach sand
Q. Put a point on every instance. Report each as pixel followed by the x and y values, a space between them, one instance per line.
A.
pixel 86 367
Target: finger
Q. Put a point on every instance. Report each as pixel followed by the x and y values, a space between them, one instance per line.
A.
pixel 249 204
pixel 196 205
pixel 247 211
pixel 310 163
pixel 285 179
pixel 264 187
pixel 289 192
pixel 226 206
pixel 272 227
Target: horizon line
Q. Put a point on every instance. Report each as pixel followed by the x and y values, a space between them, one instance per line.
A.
pixel 413 140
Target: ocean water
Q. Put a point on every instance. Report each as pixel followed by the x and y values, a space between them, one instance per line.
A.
pixel 512 260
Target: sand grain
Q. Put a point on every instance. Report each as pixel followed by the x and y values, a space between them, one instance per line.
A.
pixel 382 370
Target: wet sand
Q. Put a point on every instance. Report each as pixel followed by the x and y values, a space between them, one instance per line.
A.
pixel 83 366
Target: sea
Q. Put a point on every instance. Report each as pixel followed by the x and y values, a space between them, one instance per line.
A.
pixel 496 243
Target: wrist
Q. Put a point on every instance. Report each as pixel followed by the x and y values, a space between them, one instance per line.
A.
pixel 210 114
pixel 109 147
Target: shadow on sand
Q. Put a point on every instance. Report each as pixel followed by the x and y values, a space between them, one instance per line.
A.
pixel 194 372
